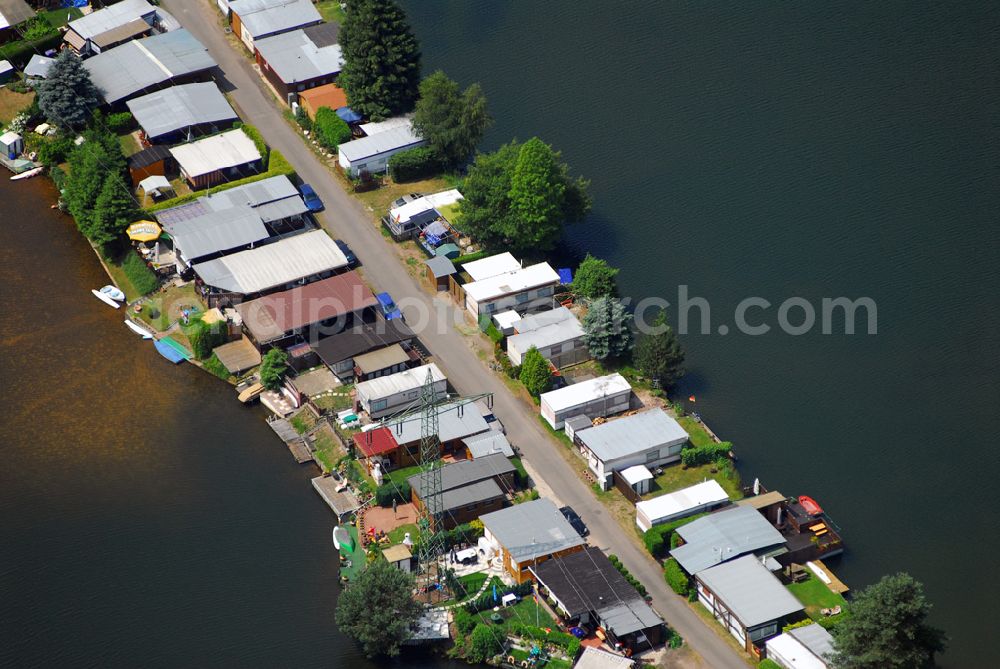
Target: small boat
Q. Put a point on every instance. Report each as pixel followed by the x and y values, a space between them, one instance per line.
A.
pixel 810 505
pixel 251 393
pixel 138 329
pixel 168 351
pixel 114 293
pixel 27 175
pixel 107 299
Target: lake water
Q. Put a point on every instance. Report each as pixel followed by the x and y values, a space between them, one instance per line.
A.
pixel 147 518
pixel 779 150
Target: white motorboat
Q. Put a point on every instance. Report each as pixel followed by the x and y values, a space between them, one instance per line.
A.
pixel 27 175
pixel 342 539
pixel 104 297
pixel 114 293
pixel 138 329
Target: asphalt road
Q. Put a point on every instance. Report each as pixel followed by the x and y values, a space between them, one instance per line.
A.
pixel 345 218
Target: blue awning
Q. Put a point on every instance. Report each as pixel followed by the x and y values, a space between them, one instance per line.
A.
pixel 565 275
pixel 349 115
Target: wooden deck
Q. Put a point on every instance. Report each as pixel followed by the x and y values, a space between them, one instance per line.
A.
pixel 342 502
pixel 297 444
pixel 835 584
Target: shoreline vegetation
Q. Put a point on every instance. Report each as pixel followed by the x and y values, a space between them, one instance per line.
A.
pixel 517 198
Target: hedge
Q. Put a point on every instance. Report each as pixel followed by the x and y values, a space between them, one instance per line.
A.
pixel 464 621
pixel 142 278
pixel 659 536
pixel 633 581
pixel 471 257
pixel 692 457
pixel 413 165
pixel 331 131
pixel 119 121
pixel 278 167
pixel 204 338
pixel 255 136
pixel 21 51
pixel 676 578
pixel 768 664
pixel 387 492
pixel 569 643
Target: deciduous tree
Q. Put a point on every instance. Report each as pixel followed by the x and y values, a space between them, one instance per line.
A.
pixel 484 643
pixel 67 95
pixel 606 329
pixel 659 355
pixel 378 609
pixel 452 121
pixel 887 628
pixel 595 278
pixel 273 368
pixel 519 197
pixel 381 68
pixel 535 372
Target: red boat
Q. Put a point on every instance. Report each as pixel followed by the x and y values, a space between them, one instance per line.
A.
pixel 810 505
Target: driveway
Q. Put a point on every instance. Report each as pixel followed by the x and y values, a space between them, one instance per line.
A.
pixel 347 219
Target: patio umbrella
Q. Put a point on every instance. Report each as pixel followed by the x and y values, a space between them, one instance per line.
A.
pixel 143 231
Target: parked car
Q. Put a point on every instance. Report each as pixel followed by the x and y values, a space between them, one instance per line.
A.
pixel 389 308
pixel 575 521
pixel 310 198
pixel 352 260
pixel 406 199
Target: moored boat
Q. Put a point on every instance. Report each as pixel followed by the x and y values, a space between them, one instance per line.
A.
pixel 114 293
pixel 251 393
pixel 810 505
pixel 27 175
pixel 107 299
pixel 138 329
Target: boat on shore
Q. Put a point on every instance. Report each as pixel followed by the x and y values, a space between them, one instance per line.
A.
pixel 138 329
pixel 30 173
pixel 169 352
pixel 251 393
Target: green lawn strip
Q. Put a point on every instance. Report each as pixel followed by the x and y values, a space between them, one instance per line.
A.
pixel 472 582
pixel 814 594
pixel 676 476
pixel 697 433
pixel 331 11
pixel 303 421
pixel 333 401
pixel 399 476
pixel 60 17
pixel 396 535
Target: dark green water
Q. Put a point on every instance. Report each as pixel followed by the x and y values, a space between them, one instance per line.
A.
pixel 796 149
pixel 146 517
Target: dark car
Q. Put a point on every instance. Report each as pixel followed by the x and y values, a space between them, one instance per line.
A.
pixel 406 199
pixel 310 198
pixel 575 521
pixel 389 308
pixel 352 260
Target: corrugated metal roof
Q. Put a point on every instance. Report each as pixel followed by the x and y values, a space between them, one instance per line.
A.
pixel 586 391
pixel 134 66
pixel 595 658
pixel 440 266
pixel 13 12
pixel 488 443
pixel 204 156
pixel 267 17
pixel 38 66
pixel 626 436
pixel 723 536
pixel 282 209
pixel 630 617
pixel 501 263
pixel 400 382
pixel 274 264
pixel 362 338
pixel 121 33
pixel 217 231
pixel 180 107
pixel 523 278
pixel 238 355
pixel 272 316
pixel 111 17
pixel 548 335
pixel 531 529
pixel 390 140
pixel 750 591
pixel 371 129
pixel 542 319
pixel 816 638
pixel 295 57
pixel 463 473
pixel 455 421
pixel 677 504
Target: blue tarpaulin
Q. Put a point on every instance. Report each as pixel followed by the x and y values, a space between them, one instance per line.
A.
pixel 74 3
pixel 565 275
pixel 435 233
pixel 349 115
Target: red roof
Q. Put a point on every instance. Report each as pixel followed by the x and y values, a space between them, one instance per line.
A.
pixel 375 442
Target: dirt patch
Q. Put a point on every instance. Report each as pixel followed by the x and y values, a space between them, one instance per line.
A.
pixel 682 658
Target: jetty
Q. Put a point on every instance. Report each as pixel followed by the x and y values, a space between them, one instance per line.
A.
pixel 295 442
pixel 337 494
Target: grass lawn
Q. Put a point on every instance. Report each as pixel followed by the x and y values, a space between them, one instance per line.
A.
pixel 333 401
pixel 163 309
pixel 215 366
pixel 328 449
pixel 399 476
pixel 396 535
pixel 815 595
pixel 60 17
pixel 331 11
pixel 380 198
pixel 472 582
pixel 11 103
pixel 129 144
pixel 303 421
pixel 675 477
pixel 525 612
pixel 696 431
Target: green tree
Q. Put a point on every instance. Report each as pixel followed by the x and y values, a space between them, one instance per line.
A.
pixel 85 180
pixel 595 278
pixel 519 197
pixel 606 328
pixel 378 609
pixel 67 95
pixel 659 355
pixel 273 368
pixel 886 628
pixel 113 210
pixel 381 68
pixel 484 643
pixel 535 372
pixel 451 121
